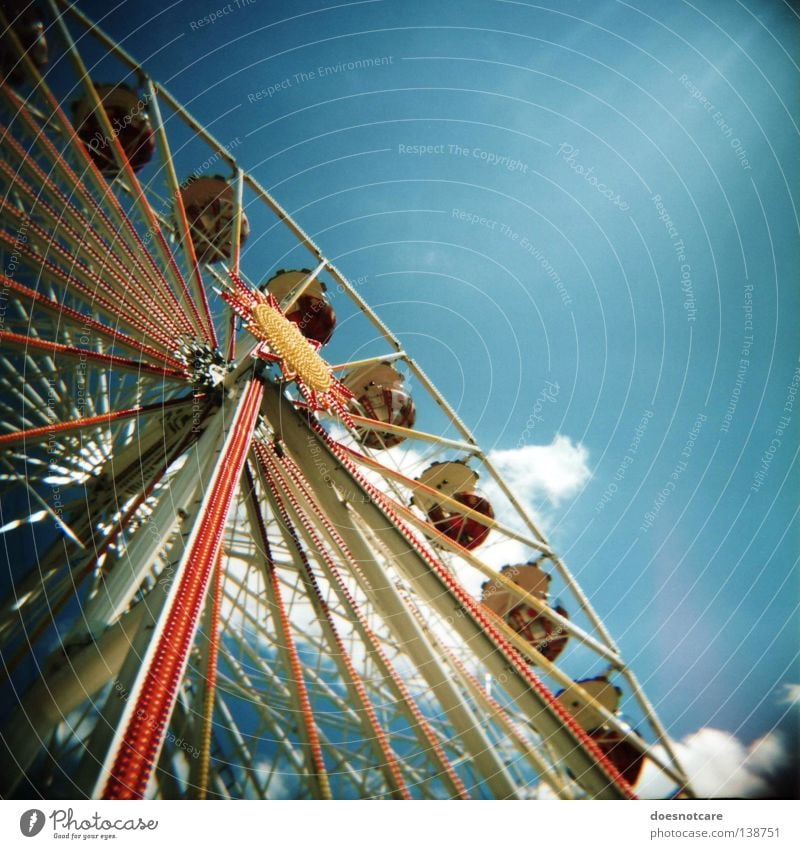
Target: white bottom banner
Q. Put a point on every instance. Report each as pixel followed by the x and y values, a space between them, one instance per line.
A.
pixel 413 825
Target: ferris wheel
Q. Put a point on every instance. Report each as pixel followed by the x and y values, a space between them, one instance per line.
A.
pixel 235 585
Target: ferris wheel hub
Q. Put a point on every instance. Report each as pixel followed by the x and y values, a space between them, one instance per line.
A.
pixel 206 366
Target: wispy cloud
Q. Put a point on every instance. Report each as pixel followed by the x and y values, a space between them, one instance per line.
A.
pixel 720 765
pixel 555 471
pixel 791 695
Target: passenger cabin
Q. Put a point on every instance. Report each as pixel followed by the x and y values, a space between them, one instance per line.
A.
pixel 624 755
pixel 29 29
pixel 457 481
pixel 380 395
pixel 211 210
pixel 130 124
pixel 545 635
pixel 311 312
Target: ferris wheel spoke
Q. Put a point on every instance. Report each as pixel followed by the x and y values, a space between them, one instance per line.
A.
pixel 375 426
pixel 124 234
pixel 373 732
pixel 563 624
pixel 345 718
pixel 64 591
pixel 69 683
pixel 128 763
pixel 27 343
pixel 39 434
pixel 494 709
pixel 192 715
pixel 38 584
pixel 236 252
pixel 53 596
pixel 526 649
pixel 343 721
pixel 186 240
pixel 415 641
pixel 78 243
pixel 238 221
pixel 20 412
pixel 226 784
pixel 41 371
pixel 20 479
pixel 30 591
pixel 98 229
pixel 50 272
pixel 125 573
pixel 30 402
pixel 126 314
pixel 308 729
pixel 140 200
pixel 246 765
pixel 272 730
pixel 400 693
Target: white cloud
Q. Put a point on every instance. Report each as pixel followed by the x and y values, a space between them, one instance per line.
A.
pixel 720 765
pixel 791 695
pixel 556 471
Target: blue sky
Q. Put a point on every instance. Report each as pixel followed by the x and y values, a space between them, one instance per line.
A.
pixel 601 196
